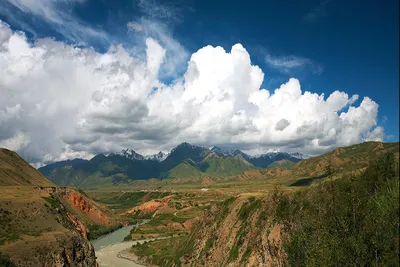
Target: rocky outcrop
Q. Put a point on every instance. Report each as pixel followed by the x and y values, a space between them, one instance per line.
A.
pixel 81 203
pixel 240 233
pixel 75 252
pixel 79 226
pixel 78 202
pixel 63 249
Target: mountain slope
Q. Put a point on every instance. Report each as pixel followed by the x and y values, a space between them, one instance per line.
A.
pixel 183 152
pixel 264 160
pixel 261 161
pixel 344 159
pixel 16 171
pixel 49 169
pixel 185 160
pixel 284 163
pixel 351 159
pixel 224 166
pixel 111 168
pixel 41 224
pixel 185 169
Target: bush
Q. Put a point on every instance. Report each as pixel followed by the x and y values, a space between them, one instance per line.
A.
pixel 349 221
pixel 5 261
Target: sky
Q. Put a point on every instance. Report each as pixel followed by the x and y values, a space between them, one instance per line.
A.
pixel 82 77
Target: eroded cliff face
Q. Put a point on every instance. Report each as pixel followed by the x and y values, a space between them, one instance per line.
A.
pixel 83 204
pixel 238 232
pixel 39 229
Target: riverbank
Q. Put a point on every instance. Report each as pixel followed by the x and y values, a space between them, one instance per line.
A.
pixel 108 256
pixel 119 254
pixel 98 231
pixel 127 254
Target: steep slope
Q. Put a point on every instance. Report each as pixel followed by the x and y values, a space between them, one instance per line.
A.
pixel 49 169
pixel 183 152
pixel 186 169
pixel 37 230
pixel 40 224
pixel 224 166
pixel 16 171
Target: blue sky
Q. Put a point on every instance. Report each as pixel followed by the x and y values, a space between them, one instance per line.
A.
pixel 350 46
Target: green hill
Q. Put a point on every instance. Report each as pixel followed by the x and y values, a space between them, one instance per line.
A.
pixel 16 171
pixel 185 169
pixel 224 166
pixel 285 164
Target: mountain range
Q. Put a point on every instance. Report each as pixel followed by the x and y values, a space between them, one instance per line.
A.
pixel 185 160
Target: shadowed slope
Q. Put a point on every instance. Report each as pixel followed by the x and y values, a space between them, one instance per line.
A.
pixel 16 171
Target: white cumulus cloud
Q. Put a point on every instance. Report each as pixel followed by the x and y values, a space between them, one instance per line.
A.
pixel 59 101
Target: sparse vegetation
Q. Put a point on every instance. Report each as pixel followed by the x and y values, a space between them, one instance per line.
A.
pixel 348 221
pixel 161 252
pixel 248 208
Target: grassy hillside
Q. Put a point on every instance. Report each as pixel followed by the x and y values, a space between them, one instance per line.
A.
pixel 225 166
pixel 16 171
pixel 44 224
pixel 345 159
pixel 350 221
pixel 285 164
pixel 211 165
pixel 185 169
pixel 49 169
pixel 38 227
pixel 181 153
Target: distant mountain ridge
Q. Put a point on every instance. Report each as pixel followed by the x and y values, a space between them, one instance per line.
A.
pixel 262 160
pixel 133 155
pixel 185 160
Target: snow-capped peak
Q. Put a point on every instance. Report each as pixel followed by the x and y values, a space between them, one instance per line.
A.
pixel 225 152
pixel 133 155
pixel 130 154
pixel 160 156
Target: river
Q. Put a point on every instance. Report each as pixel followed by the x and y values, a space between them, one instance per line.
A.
pixel 107 248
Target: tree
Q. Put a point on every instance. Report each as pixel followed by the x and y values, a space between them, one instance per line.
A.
pixel 329 170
